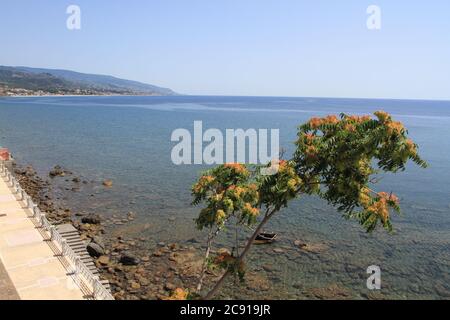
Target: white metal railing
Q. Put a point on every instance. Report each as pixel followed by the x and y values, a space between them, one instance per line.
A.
pixel 81 273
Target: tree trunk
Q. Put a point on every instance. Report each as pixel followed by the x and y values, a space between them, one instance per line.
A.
pixel 219 283
pixel 211 237
pixel 205 264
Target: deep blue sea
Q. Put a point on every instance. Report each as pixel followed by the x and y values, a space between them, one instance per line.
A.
pixel 128 140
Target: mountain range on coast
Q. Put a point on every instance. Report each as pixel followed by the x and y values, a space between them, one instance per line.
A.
pixel 40 81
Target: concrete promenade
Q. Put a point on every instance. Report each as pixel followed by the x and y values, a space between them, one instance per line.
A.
pixel 30 269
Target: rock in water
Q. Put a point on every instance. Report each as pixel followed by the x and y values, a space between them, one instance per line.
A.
pixel 103 260
pixel 129 259
pixel 99 240
pixel 298 243
pixel 57 172
pixel 108 183
pixel 95 250
pixel 91 219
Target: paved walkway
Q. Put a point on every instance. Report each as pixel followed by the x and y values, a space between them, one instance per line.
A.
pixel 32 267
pixel 7 289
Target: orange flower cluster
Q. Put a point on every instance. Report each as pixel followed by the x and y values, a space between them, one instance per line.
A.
pixel 311 152
pixel 310 137
pixel 203 182
pixel 382 116
pixel 237 167
pixel 389 197
pixel 249 210
pixel 236 190
pixel 285 168
pixel 358 119
pixel 411 146
pixel 350 122
pixel 206 179
pixel 349 127
pixel 315 123
pixel 395 127
pixel 282 163
pixel 307 138
pixel 380 208
pixel 331 119
pixel 178 294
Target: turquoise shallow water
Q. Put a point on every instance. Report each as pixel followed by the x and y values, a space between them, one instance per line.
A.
pixel 127 139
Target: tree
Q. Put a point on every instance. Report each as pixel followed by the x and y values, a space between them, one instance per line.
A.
pixel 336 158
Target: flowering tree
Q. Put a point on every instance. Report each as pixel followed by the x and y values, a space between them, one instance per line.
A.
pixel 335 158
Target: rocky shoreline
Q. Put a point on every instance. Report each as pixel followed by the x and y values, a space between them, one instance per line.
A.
pixel 133 271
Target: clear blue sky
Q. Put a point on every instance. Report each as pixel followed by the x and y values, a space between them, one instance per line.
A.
pixel 318 48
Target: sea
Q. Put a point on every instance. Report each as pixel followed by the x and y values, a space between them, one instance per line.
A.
pixel 128 140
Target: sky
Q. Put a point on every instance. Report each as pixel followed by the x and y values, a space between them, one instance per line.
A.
pixel 315 48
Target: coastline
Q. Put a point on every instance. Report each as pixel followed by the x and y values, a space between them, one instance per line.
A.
pixel 81 95
pixel 132 271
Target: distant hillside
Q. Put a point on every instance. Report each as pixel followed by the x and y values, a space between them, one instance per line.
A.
pixel 69 82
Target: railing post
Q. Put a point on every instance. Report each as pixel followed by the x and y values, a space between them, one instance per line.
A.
pixel 77 265
pixel 42 220
pixel 34 210
pixel 16 187
pixel 96 288
pixel 64 247
pixel 29 202
pixel 52 232
pixel 19 192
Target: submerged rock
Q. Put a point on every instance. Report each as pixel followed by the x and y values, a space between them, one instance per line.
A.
pixel 99 240
pixel 129 259
pixel 58 171
pixel 95 250
pixel 332 292
pixel 103 260
pixel 91 219
pixel 310 247
pixel 108 183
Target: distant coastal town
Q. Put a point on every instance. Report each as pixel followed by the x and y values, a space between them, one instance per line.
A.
pixel 6 91
pixel 26 81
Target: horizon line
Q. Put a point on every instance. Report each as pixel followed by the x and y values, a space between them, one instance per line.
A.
pixel 225 95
